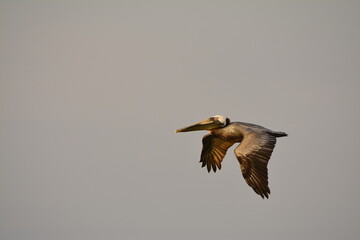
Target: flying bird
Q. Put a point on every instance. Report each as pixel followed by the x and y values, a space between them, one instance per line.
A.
pixel 253 153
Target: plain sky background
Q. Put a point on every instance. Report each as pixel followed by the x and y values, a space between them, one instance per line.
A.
pixel 91 93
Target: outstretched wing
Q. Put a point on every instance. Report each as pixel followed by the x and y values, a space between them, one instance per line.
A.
pixel 253 154
pixel 213 151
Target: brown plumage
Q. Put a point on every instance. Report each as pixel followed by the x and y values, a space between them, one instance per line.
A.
pixel 253 152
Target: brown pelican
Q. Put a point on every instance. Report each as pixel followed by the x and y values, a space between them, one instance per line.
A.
pixel 253 152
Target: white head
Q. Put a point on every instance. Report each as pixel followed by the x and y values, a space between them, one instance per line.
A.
pixel 220 119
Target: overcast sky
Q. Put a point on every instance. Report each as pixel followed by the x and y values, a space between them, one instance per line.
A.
pixel 91 93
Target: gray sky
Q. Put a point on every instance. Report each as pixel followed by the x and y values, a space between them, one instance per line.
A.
pixel 91 93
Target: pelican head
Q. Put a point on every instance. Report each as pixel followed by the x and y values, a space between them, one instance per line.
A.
pixel 214 122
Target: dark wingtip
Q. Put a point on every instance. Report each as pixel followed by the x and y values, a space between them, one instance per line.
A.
pixel 264 195
pixel 209 168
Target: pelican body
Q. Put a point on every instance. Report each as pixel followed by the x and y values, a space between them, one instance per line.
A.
pixel 253 152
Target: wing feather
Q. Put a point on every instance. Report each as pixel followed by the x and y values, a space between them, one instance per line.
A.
pixel 253 154
pixel 213 152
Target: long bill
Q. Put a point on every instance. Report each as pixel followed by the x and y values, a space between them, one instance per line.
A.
pixel 206 124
